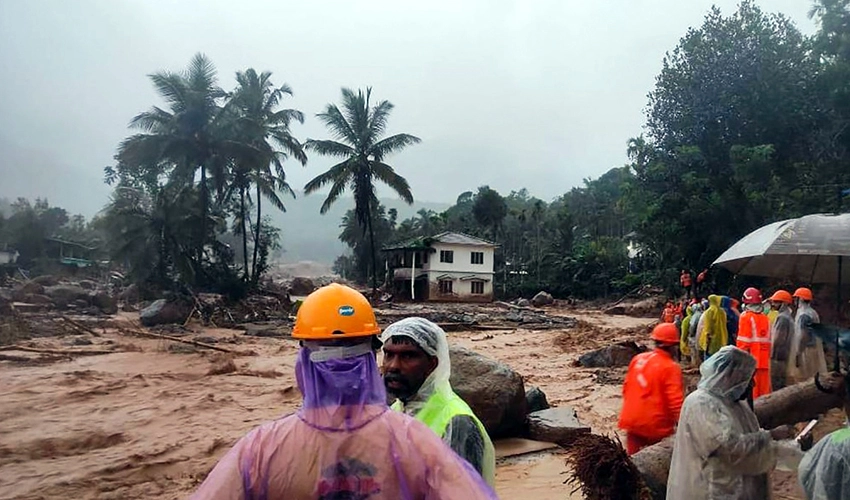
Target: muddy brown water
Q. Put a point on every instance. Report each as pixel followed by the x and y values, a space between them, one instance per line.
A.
pixel 152 422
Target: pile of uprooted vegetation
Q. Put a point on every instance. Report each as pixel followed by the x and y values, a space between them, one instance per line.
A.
pixel 602 470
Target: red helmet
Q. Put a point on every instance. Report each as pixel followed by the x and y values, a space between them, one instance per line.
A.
pixel 752 296
pixel 666 333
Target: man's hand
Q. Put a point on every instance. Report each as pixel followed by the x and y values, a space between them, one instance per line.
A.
pixel 806 441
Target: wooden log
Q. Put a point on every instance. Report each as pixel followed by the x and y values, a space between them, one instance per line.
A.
pixel 787 406
pixel 160 336
pixel 79 326
pixel 62 352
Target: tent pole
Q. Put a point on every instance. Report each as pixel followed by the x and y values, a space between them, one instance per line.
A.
pixel 840 271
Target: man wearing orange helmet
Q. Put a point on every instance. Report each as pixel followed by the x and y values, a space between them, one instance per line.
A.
pixel 806 356
pixel 754 338
pixel 781 334
pixel 652 391
pixel 344 442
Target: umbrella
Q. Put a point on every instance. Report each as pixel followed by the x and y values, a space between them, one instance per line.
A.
pixel 810 249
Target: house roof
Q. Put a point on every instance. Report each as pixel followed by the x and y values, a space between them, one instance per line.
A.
pixel 448 237
pixel 455 238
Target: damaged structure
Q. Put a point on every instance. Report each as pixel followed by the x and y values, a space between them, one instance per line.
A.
pixel 442 268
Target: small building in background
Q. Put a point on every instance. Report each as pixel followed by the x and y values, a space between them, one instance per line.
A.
pixel 447 267
pixel 8 256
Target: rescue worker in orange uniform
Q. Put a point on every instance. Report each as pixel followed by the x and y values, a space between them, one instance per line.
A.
pixel 668 315
pixel 754 338
pixel 653 391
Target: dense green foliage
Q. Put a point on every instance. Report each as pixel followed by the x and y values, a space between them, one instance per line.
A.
pixel 191 170
pixel 747 124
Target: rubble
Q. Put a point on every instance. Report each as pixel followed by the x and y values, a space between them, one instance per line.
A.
pixel 301 287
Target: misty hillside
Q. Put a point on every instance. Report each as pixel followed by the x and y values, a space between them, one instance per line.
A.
pixel 308 235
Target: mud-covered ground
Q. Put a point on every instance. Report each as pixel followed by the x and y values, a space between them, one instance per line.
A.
pixel 151 421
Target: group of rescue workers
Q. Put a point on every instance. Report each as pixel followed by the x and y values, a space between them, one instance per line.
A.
pixel 719 449
pixel 346 442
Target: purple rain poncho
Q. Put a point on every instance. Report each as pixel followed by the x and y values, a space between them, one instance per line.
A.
pixel 343 443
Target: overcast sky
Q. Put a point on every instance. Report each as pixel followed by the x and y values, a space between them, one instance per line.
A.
pixel 521 93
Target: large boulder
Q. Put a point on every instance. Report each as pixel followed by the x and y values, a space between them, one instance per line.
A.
pixel 162 312
pixel 87 284
pixel 555 425
pixel 301 287
pixel 620 354
pixel 35 298
pixel 63 295
pixel 542 299
pixel 103 301
pixel 492 389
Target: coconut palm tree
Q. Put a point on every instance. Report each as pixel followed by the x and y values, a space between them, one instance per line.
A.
pixel 357 130
pixel 185 138
pixel 259 124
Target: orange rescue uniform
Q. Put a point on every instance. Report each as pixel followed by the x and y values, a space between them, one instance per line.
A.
pixel 754 337
pixel 652 399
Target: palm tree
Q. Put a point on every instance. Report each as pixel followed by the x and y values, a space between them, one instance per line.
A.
pixel 263 127
pixel 357 130
pixel 184 139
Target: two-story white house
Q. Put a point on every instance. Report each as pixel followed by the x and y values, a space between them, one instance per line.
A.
pixel 446 267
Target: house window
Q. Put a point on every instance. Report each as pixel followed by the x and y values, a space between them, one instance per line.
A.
pixel 445 287
pixel 447 256
pixel 477 257
pixel 424 257
pixel 477 287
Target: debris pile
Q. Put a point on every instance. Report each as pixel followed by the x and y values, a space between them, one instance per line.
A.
pixel 601 469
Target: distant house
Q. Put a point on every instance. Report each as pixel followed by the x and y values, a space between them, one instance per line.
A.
pixel 8 256
pixel 69 253
pixel 446 267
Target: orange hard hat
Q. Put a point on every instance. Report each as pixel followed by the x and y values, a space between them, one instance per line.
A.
pixel 752 296
pixel 666 333
pixel 781 296
pixel 803 293
pixel 335 311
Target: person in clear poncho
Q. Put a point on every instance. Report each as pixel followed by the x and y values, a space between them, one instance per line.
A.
pixel 825 470
pixel 417 369
pixel 719 450
pixel 806 356
pixel 781 335
pixel 344 443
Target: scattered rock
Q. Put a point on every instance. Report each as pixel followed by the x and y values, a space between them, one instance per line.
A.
pixel 130 294
pixel 34 298
pixel 79 304
pixel 523 303
pixel 535 400
pixel 46 280
pixel 650 307
pixel 80 341
pixel 28 288
pixel 542 299
pixel 87 284
pixel 555 425
pixel 163 312
pixel 104 302
pixel 63 295
pixel 301 287
pixel 206 339
pixel 619 354
pixel 492 389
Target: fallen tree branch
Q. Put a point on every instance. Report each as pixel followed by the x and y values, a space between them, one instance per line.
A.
pixel 16 359
pixel 142 333
pixel 63 352
pixel 79 326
